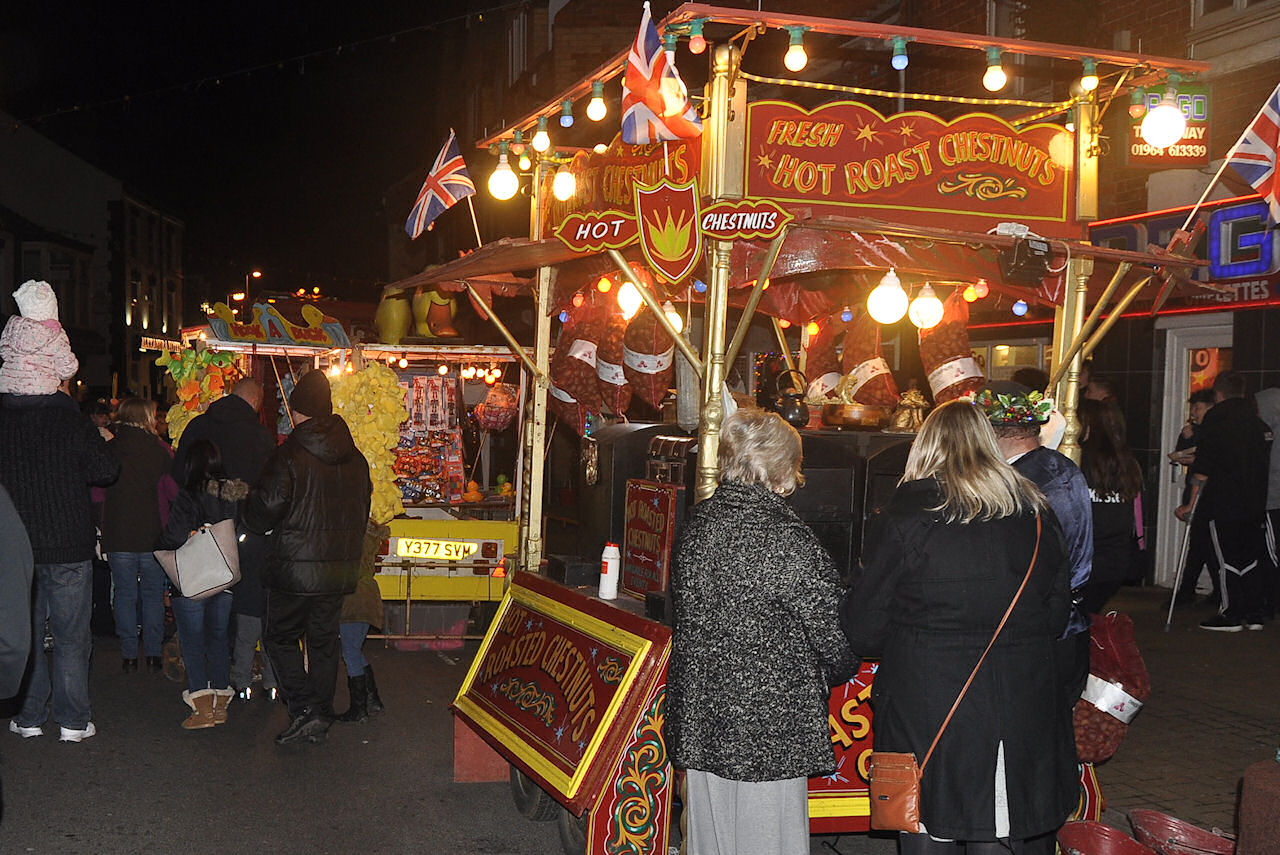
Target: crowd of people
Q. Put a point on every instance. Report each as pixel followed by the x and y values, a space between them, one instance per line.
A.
pixel 78 487
pixel 986 520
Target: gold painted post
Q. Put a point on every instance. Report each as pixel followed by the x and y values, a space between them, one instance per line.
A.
pixel 1072 315
pixel 716 132
pixel 535 423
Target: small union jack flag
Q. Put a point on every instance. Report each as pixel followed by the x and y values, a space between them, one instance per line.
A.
pixel 447 184
pixel 655 104
pixel 1254 155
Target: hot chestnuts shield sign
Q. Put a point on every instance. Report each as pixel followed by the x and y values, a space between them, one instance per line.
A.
pixel 668 220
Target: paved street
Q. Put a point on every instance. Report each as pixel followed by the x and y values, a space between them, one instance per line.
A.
pixel 143 785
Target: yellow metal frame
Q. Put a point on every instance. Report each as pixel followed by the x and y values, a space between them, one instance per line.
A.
pixel 463 586
pixel 637 646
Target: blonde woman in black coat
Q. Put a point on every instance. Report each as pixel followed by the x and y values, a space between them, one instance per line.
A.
pixel 954 545
pixel 756 646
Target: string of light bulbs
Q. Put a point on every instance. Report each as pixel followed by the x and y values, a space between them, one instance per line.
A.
pixel 1057 106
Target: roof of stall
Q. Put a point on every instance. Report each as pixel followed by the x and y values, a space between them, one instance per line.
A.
pixel 860 249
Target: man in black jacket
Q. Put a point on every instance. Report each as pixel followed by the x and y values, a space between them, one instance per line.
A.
pixel 232 424
pixel 313 499
pixel 49 455
pixel 1229 486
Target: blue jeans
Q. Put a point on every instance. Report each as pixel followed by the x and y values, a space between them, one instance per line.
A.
pixel 353 633
pixel 132 572
pixel 202 632
pixel 63 597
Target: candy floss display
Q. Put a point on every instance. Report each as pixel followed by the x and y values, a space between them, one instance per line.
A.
pixel 945 353
pixel 867 379
pixel 575 390
pixel 648 358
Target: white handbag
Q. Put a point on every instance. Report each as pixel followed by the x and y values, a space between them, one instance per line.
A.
pixel 207 564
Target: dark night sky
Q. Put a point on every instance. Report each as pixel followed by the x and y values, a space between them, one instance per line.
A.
pixel 283 168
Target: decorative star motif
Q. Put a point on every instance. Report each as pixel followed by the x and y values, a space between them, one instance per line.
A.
pixel 866 134
pixel 582 746
pixel 493 688
pixel 594 651
pixel 765 161
pixel 559 733
pixel 528 625
pixel 907 131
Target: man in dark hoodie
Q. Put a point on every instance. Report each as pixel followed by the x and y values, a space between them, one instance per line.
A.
pixel 49 456
pixel 1229 477
pixel 246 444
pixel 313 500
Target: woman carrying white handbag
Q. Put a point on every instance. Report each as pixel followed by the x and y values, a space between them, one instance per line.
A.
pixel 198 551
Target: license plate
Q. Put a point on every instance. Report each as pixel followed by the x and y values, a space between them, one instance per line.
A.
pixel 442 550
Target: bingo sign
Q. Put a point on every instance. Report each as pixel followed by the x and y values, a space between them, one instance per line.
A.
pixel 649 529
pixel 1192 149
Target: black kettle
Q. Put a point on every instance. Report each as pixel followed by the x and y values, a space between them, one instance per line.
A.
pixel 790 404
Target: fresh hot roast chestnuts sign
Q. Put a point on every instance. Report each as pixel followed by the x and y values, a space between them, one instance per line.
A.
pixel 976 170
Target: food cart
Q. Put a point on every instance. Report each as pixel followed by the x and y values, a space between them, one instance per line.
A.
pixel 818 207
pixel 454 529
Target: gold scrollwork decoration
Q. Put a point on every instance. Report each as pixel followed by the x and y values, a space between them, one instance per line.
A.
pixel 645 772
pixel 528 697
pixel 978 185
pixel 611 670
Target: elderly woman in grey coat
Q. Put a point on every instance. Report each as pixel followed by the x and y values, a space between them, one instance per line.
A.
pixel 756 647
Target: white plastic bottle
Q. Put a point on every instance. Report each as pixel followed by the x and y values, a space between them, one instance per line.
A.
pixel 610 567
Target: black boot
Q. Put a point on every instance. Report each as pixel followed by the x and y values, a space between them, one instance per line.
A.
pixel 372 701
pixel 359 709
pixel 307 726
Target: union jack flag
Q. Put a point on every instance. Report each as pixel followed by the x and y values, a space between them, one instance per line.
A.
pixel 1254 155
pixel 447 184
pixel 648 114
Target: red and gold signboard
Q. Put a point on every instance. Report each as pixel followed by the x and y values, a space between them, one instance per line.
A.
pixel 649 527
pixel 976 170
pixel 670 237
pixel 557 682
pixel 838 803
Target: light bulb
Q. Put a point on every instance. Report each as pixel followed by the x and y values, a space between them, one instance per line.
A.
pixel 603 284
pixel 467 372
pixel 846 314
pixel 981 288
pixel 1137 103
pixel 1089 79
pixel 578 299
pixel 887 302
pixel 795 58
pixel 812 328
pixel 675 96
pixel 697 44
pixel 629 300
pixel 995 78
pixel 926 309
pixel 525 162
pixel 351 368
pixel 541 140
pixel 404 362
pixel 335 370
pixel 700 286
pixel 1020 308
pixel 503 181
pixel 566 113
pixel 564 185
pixel 564 317
pixel 899 59
pixel 677 322
pixel 443 369
pixel 491 377
pixel 970 294
pixel 596 108
pixel 600 148
pixel 517 143
pixel 784 323
pixel 1164 124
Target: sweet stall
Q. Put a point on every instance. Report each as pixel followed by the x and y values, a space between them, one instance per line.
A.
pixel 832 220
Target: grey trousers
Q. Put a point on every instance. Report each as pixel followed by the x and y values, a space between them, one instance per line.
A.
pixel 248 631
pixel 746 817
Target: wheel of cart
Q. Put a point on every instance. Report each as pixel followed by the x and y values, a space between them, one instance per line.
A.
pixel 531 800
pixel 573 831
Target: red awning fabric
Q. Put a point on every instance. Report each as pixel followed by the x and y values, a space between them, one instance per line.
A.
pixel 824 264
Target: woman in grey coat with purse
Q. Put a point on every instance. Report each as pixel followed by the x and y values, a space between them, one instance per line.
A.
pixel 756 646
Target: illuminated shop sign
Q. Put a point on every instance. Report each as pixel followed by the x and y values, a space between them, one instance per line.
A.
pixel 1243 254
pixel 1192 149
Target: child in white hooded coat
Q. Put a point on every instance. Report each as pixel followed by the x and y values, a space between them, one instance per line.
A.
pixel 34 346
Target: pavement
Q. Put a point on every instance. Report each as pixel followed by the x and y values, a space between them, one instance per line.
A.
pixel 143 785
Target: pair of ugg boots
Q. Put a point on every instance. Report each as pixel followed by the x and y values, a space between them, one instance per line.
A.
pixel 208 707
